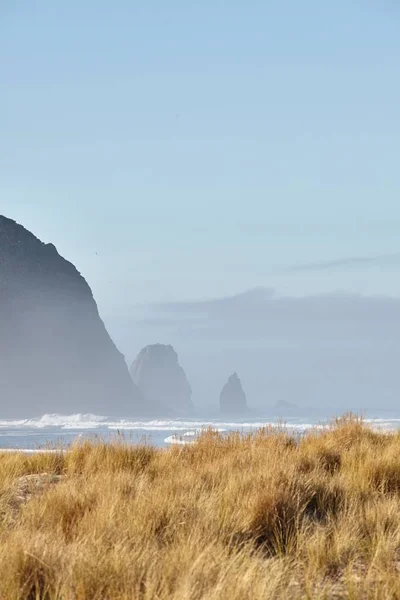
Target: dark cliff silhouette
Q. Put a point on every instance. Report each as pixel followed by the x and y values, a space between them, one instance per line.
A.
pixel 159 376
pixel 55 352
pixel 232 400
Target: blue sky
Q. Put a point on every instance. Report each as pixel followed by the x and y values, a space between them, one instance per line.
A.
pixel 176 150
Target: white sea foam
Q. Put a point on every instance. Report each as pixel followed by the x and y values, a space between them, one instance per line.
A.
pixel 190 437
pixel 84 421
pixel 33 450
pixel 77 421
pixel 381 420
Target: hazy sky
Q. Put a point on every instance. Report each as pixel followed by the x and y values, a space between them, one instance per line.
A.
pixel 180 149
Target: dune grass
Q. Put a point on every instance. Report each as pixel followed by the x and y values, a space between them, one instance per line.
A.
pixel 253 517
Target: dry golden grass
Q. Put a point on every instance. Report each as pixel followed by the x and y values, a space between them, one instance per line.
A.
pixel 241 518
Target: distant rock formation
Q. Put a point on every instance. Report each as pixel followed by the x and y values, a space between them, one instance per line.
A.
pixel 285 404
pixel 233 399
pixel 284 407
pixel 160 378
pixel 55 353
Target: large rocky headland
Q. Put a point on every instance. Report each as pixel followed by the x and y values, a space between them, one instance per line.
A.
pixel 55 352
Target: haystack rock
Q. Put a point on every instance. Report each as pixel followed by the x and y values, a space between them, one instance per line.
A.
pixel 233 399
pixel 159 376
pixel 55 352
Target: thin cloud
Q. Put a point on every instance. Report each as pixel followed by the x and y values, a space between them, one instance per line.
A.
pixel 261 310
pixel 254 297
pixel 380 261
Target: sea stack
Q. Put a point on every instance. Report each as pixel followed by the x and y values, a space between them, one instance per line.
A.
pixel 160 378
pixel 232 400
pixel 55 353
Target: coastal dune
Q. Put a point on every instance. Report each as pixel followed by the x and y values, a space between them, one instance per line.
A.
pixel 262 515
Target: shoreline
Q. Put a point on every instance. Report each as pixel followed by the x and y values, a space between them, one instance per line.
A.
pixel 189 437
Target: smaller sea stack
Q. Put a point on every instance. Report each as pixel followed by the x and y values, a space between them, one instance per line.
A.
pixel 232 400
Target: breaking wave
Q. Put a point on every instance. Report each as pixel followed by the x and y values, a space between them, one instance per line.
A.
pixel 78 421
pixel 90 421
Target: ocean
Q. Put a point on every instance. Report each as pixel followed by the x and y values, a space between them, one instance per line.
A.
pixel 55 431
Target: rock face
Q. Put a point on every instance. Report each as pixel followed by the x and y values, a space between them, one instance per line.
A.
pixel 159 376
pixel 55 352
pixel 233 399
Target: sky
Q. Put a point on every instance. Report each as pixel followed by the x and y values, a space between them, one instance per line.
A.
pixel 180 150
pixel 244 152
